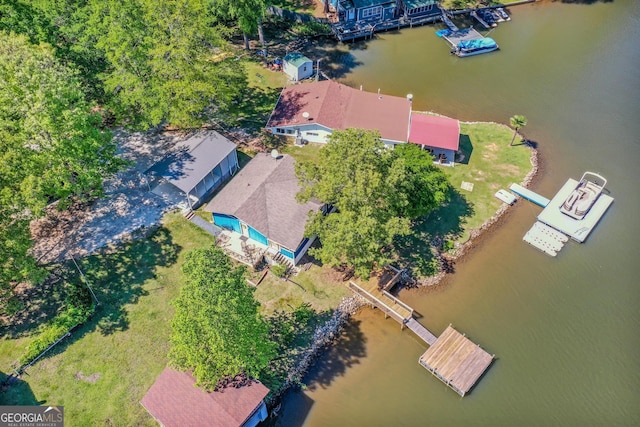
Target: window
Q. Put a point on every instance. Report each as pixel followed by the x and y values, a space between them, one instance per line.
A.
pixel 372 12
pixel 290 131
pixel 304 68
pixel 279 130
pixel 312 133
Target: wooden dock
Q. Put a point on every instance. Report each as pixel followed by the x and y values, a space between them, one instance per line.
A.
pixel 421 331
pixel 451 357
pixel 383 300
pixel 456 361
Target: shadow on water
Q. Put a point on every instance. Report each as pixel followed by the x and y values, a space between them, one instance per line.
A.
pixel 334 362
pixel 14 391
pixel 346 352
pixel 336 60
pixel 296 406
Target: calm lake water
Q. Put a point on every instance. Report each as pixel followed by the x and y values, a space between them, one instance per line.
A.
pixel 564 330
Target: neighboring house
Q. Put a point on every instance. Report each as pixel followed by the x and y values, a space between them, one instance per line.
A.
pixel 297 66
pixel 175 401
pixel 416 8
pixel 259 204
pixel 312 111
pixel 440 135
pixel 365 10
pixel 195 167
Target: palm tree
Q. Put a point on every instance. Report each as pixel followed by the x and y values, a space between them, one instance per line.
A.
pixel 517 122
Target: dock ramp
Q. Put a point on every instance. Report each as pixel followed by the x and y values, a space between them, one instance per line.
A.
pixel 530 195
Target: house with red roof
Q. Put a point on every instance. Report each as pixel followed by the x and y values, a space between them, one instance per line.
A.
pixel 438 134
pixel 310 112
pixel 175 401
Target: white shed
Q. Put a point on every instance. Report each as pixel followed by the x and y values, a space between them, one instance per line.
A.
pixel 297 66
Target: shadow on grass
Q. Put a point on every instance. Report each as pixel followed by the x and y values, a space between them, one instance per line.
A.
pixel 465 149
pixel 41 304
pixel 419 250
pixel 253 108
pixel 346 352
pixel 117 280
pixel 14 391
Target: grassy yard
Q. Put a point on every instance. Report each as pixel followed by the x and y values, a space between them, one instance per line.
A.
pixel 313 287
pixel 489 164
pixel 105 368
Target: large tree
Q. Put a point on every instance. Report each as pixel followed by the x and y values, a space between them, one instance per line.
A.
pixel 217 331
pixel 166 60
pixel 247 13
pixel 52 147
pixel 376 192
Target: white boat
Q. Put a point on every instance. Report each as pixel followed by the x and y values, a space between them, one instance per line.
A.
pixel 583 196
pixel 475 47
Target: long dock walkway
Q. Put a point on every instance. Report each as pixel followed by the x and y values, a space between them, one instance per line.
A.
pixel 421 331
pixel 451 357
pixel 529 195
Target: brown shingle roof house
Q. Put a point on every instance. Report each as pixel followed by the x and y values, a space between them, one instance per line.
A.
pixel 174 401
pixel 311 111
pixel 260 203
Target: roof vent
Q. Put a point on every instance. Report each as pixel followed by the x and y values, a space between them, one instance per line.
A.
pixel 410 97
pixel 275 154
pixel 305 115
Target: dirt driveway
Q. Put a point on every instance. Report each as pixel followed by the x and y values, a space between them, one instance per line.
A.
pixel 128 205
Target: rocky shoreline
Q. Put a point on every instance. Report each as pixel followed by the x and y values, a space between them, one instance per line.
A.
pixel 324 335
pixel 329 332
pixel 462 249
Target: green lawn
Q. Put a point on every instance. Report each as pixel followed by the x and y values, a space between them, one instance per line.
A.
pixel 489 164
pixel 102 372
pixel 306 153
pixel 311 287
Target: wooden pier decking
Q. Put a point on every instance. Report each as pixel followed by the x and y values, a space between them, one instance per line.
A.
pixel 451 357
pixel 456 361
pixel 421 331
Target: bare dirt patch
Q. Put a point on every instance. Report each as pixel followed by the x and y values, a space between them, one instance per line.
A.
pixel 127 207
pixel 88 378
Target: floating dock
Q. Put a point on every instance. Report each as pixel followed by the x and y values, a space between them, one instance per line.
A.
pixel 577 229
pixel 529 195
pixel 456 360
pixel 545 238
pixel 451 357
pixel 455 37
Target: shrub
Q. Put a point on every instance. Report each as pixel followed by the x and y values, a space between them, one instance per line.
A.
pixel 279 270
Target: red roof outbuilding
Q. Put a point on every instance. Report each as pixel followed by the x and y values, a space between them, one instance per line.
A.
pixel 435 131
pixel 174 401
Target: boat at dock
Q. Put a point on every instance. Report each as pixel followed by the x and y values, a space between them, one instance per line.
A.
pixel 475 47
pixel 583 196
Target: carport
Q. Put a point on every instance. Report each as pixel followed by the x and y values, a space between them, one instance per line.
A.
pixel 196 166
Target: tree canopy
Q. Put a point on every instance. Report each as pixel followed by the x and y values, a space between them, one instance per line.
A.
pixel 217 331
pixel 149 61
pixel 376 192
pixel 52 146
